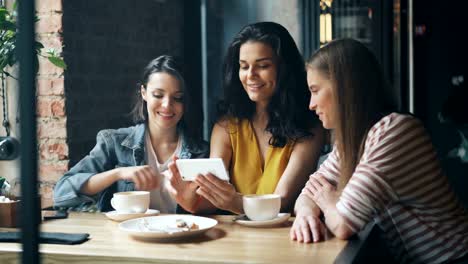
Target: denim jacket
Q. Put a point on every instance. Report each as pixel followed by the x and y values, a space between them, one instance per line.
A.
pixel 114 148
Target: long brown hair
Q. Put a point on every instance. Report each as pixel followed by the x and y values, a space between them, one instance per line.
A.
pixel 189 125
pixel 361 93
pixel 289 117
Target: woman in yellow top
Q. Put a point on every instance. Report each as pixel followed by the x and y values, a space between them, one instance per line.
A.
pixel 267 138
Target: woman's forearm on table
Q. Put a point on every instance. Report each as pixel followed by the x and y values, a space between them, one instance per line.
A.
pixel 337 223
pixel 99 182
pixel 306 206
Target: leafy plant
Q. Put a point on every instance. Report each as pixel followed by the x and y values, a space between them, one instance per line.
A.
pixel 8 35
pixel 8 58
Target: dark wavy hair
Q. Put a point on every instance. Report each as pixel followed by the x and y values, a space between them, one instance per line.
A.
pixel 192 118
pixel 289 116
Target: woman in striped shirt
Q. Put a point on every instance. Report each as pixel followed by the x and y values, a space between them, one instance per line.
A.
pixel 383 167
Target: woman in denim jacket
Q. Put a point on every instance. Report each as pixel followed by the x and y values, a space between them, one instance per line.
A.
pixel 136 158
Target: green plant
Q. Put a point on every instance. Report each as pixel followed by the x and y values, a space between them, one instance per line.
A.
pixel 8 34
pixel 8 58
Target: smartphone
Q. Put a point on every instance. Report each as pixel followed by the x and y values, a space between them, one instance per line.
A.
pixel 54 214
pixel 189 168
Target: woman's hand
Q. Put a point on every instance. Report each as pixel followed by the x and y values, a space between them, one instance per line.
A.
pixel 308 228
pixel 325 196
pixel 182 191
pixel 321 192
pixel 144 177
pixel 220 193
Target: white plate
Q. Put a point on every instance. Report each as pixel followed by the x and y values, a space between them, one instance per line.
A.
pixel 281 218
pixel 164 226
pixel 119 217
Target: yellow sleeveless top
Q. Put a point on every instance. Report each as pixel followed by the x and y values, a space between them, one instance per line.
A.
pixel 246 171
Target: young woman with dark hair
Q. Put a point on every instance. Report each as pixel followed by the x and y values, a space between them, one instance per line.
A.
pixel 383 167
pixel 266 136
pixel 135 158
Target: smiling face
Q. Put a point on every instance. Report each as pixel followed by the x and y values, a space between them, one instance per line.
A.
pixel 164 100
pixel 258 71
pixel 322 100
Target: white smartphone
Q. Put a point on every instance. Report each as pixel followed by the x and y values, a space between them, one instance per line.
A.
pixel 189 168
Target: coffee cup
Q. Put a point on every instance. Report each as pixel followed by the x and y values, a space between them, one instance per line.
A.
pixel 131 202
pixel 261 207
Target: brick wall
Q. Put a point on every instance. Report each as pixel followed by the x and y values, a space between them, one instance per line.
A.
pixel 51 119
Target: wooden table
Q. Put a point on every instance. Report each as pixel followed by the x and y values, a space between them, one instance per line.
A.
pixel 228 242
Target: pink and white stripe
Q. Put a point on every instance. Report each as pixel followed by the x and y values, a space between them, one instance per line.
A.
pixel 399 184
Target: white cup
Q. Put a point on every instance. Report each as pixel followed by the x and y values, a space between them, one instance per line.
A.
pixel 261 207
pixel 131 202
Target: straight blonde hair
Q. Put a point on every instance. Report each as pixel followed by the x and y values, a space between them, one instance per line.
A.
pixel 363 97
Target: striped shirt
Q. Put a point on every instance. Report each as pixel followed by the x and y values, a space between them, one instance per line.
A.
pixel 399 184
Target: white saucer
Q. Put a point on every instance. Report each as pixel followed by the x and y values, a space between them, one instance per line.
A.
pixel 119 217
pixel 281 218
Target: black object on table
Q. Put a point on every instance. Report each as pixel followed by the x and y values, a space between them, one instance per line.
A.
pixel 48 237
